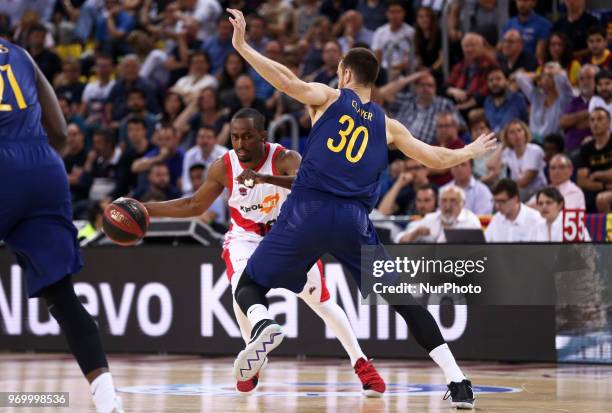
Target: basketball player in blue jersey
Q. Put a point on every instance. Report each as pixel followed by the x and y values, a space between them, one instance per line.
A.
pixel 36 211
pixel 335 189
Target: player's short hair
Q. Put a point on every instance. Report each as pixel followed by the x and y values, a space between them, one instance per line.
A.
pixel 259 121
pixel 506 185
pixel 596 29
pixel 197 167
pixel 363 64
pixel 551 192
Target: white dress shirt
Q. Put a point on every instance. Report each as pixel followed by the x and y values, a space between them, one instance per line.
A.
pixel 522 229
pixel 478 197
pixel 554 233
pixel 433 221
pixel 532 160
pixel 572 195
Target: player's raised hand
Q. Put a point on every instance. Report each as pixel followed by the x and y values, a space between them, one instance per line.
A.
pixel 483 145
pixel 239 23
pixel 249 178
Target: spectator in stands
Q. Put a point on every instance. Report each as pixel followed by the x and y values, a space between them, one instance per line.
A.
pixel 352 31
pixel 138 146
pixel 279 16
pixel 136 108
pixel 553 145
pixel 112 29
pixel 551 203
pixel 311 46
pixel 244 97
pixel 576 22
pixel 205 152
pixel 177 62
pixel 97 91
pixel 451 215
pixel 69 112
pixel 68 82
pixel 100 170
pixel 478 197
pixel 575 120
pixel 392 43
pixel 197 78
pixel 467 83
pixel 400 198
pixel 328 74
pixel 173 107
pixel 513 221
pixel 549 94
pixel 48 62
pixel 487 174
pixel 513 56
pixel 533 28
pixel 447 136
pixel 603 99
pixel 116 106
pixel 206 13
pixel 375 10
pixel 74 161
pixel 153 60
pixel 306 12
pixel 216 213
pixel 233 67
pixel 425 200
pixel 502 105
pixel 599 54
pixel 219 45
pixel 559 49
pixel 560 172
pixel 167 151
pixel 417 111
pixel 257 30
pixel 158 186
pixel 263 89
pixel 428 39
pixel 524 159
pixel 595 163
pixel 206 110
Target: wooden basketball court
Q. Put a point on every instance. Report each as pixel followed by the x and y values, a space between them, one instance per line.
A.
pixel 193 384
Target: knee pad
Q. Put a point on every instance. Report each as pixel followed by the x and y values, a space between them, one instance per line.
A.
pixel 249 293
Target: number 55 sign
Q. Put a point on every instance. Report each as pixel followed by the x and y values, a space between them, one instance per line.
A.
pixel 573 225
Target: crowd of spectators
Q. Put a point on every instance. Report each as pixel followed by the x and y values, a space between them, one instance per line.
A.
pixel 148 88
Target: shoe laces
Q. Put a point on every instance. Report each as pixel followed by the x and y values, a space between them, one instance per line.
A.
pixel 366 371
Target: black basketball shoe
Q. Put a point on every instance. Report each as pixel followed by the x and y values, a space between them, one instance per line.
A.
pixel 461 394
pixel 265 337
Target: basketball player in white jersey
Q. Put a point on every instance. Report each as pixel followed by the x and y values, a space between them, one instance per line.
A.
pixel 254 209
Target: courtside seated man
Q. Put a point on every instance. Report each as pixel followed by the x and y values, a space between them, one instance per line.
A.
pixel 335 189
pixel 36 211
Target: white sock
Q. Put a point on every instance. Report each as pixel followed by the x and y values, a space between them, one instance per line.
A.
pixel 445 359
pixel 256 313
pixel 338 322
pixel 103 393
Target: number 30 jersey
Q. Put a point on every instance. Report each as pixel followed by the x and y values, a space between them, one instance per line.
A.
pixel 254 210
pixel 20 111
pixel 346 151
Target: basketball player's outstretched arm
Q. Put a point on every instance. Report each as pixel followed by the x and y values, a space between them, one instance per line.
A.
pixel 196 204
pixel 286 163
pixel 436 157
pixel 52 118
pixel 309 93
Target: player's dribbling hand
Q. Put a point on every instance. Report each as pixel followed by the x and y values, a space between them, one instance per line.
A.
pixel 249 178
pixel 483 145
pixel 237 20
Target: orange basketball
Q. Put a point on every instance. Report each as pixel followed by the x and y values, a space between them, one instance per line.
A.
pixel 125 221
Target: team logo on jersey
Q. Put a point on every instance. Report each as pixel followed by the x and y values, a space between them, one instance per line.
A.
pixel 3 49
pixel 268 204
pixel 243 191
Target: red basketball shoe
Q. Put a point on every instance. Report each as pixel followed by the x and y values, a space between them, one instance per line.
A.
pixel 250 385
pixel 373 384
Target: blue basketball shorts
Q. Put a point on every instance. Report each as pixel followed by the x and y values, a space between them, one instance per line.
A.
pixel 36 214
